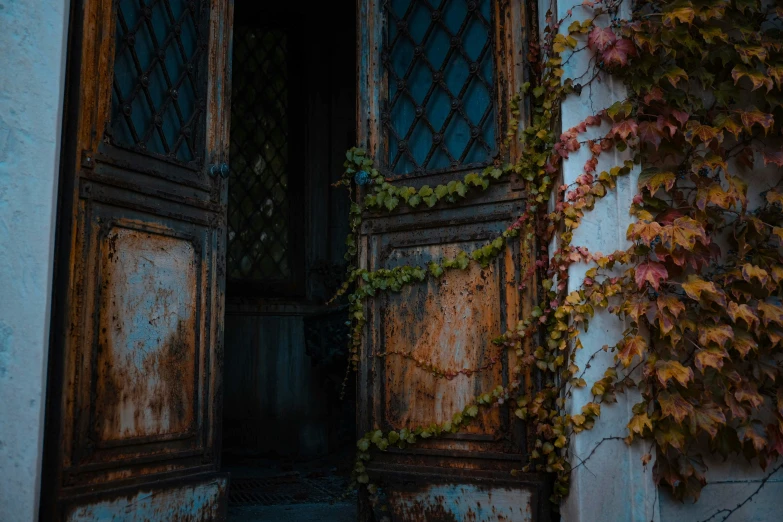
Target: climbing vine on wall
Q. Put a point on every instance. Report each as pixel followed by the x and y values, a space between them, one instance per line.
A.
pixel 699 285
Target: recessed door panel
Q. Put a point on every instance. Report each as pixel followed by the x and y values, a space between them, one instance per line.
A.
pixel 147 364
pixel 428 322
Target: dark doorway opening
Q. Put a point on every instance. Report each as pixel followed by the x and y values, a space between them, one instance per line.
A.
pixel 287 436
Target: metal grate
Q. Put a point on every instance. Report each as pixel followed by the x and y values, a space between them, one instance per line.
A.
pixel 289 489
pixel 438 58
pixel 258 207
pixel 159 89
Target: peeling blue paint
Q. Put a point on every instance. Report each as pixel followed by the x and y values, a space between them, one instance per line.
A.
pixel 179 504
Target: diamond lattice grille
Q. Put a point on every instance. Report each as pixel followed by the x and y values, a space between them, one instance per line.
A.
pixel 258 208
pixel 158 101
pixel 438 58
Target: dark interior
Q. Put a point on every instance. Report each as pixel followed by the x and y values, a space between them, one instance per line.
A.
pixel 292 119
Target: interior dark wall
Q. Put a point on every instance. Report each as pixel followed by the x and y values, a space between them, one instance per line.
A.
pixel 284 356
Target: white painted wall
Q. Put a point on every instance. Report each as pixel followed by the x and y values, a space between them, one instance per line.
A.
pixel 32 69
pixel 612 484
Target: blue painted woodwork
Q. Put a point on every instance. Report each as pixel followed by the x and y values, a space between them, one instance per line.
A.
pixel 440 110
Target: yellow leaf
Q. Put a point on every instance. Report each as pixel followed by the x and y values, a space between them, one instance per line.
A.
pixel 638 423
pixel 744 342
pixel 697 289
pixel 653 179
pixel 695 285
pixel 667 370
pixel 742 311
pixel 778 232
pixel 750 271
pixel 679 14
pixel 644 231
pixel 710 358
pixel 771 312
pixel 718 334
pixel 670 303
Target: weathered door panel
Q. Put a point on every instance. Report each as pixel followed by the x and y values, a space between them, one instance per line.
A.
pixel 135 378
pixel 449 322
pixel 475 496
pixel 434 85
pixel 200 498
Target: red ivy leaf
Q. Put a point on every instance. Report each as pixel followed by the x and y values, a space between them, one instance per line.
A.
pixel 681 116
pixel 600 38
pixel 775 439
pixel 616 55
pixel 651 272
pixel 775 157
pixel 623 129
pixel 632 346
pixel 649 133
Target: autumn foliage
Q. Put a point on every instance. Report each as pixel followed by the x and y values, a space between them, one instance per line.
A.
pixel 699 285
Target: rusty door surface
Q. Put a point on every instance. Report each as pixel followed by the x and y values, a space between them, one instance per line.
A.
pixel 435 78
pixel 135 376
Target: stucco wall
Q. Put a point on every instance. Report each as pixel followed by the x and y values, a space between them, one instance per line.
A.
pixel 32 68
pixel 609 482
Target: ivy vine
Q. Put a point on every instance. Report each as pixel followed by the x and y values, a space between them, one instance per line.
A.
pixel 699 286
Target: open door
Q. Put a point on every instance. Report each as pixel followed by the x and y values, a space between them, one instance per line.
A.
pixel 135 376
pixel 435 78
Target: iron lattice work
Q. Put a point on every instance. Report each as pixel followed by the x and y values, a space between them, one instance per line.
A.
pixel 258 205
pixel 160 73
pixel 438 60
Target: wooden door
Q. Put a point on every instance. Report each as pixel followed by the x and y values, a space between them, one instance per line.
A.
pixel 435 80
pixel 135 376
